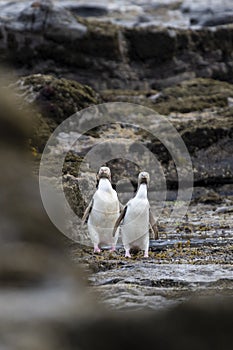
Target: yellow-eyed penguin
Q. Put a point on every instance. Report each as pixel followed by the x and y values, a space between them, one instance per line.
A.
pixel 102 212
pixel 136 218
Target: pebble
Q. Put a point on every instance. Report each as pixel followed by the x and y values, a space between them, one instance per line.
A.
pixel 222 210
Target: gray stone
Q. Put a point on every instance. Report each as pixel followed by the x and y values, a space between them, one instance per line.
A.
pixel 223 210
pixel 40 16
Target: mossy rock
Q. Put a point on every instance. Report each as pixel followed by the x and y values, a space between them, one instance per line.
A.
pixel 73 194
pixel 141 97
pixel 189 96
pixel 57 99
pixel 71 164
pixel 54 100
pixel 194 95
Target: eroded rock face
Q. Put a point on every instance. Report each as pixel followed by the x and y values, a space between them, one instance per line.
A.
pixel 47 38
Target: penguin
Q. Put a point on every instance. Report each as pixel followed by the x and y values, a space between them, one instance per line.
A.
pixel 136 217
pixel 102 212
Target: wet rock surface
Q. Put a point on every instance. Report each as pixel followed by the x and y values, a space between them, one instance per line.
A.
pixel 154 286
pixel 195 259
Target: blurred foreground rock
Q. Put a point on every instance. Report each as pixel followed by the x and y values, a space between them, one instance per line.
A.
pixel 40 288
pixel 192 325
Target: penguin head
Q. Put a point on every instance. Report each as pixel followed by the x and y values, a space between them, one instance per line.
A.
pixel 104 172
pixel 143 178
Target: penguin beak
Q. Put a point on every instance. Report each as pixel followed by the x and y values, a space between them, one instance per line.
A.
pixel 144 179
pixel 104 173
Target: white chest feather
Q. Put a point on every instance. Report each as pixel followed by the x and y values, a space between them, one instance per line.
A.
pixel 104 213
pixel 105 200
pixel 135 227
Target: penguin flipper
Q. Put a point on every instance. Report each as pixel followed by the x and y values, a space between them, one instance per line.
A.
pixel 120 218
pixel 87 212
pixel 153 224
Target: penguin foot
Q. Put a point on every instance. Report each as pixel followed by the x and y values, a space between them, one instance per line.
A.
pixel 146 255
pixel 127 254
pixel 97 250
pixel 113 248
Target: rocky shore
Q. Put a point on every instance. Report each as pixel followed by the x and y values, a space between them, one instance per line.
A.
pixel 45 300
pixel 173 57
